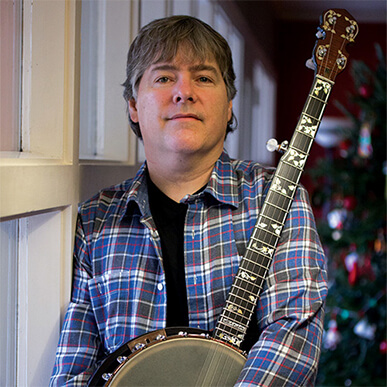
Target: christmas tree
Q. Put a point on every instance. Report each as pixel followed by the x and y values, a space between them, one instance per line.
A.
pixel 350 197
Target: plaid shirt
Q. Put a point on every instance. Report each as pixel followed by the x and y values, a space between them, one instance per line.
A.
pixel 119 288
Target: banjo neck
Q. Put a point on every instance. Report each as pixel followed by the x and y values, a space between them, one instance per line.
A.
pixel 252 272
pixel 338 28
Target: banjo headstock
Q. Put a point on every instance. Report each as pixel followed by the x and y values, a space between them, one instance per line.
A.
pixel 337 29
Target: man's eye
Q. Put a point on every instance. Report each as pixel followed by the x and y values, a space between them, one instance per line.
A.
pixel 204 79
pixel 162 80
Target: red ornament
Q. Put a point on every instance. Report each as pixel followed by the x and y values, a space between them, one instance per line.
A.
pixel 351 263
pixel 365 91
pixel 353 274
pixel 383 347
pixel 349 203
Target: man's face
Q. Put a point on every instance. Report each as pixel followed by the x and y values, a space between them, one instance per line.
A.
pixel 182 107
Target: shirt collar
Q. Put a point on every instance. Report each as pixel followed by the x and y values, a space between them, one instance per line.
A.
pixel 223 186
pixel 223 183
pixel 138 191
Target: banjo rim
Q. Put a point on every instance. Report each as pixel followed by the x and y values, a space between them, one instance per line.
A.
pixel 117 360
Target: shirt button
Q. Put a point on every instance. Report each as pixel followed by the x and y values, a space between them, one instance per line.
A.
pixel 160 286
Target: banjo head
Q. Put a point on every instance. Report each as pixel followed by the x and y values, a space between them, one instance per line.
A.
pixel 185 359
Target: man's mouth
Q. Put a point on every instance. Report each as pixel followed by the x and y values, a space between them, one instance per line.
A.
pixel 185 116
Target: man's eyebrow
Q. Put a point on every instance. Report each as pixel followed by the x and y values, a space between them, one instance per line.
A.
pixel 204 67
pixel 193 68
pixel 166 66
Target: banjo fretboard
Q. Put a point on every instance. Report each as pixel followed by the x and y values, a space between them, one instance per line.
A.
pixel 254 266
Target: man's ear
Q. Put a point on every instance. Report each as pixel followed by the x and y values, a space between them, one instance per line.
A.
pixel 132 106
pixel 229 110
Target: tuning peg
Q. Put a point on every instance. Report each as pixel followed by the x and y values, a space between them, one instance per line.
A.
pixel 310 64
pixel 272 145
pixel 320 34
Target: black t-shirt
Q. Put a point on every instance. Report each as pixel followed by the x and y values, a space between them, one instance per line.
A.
pixel 169 217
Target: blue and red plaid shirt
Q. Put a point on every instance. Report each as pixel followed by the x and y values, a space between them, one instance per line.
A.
pixel 119 289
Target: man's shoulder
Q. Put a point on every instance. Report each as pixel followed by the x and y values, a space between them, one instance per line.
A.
pixel 252 169
pixel 107 201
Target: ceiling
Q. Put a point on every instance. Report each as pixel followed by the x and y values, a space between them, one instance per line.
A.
pixel 370 11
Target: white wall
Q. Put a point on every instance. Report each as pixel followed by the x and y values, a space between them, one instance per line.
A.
pixel 39 191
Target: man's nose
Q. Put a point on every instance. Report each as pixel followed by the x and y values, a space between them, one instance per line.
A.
pixel 184 91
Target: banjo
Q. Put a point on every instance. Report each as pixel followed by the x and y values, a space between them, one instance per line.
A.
pixel 183 356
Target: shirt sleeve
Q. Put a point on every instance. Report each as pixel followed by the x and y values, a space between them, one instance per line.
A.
pixel 291 307
pixel 79 342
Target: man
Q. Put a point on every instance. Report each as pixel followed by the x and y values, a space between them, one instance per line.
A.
pixel 162 249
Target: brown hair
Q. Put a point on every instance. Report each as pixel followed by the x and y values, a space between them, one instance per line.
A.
pixel 160 40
